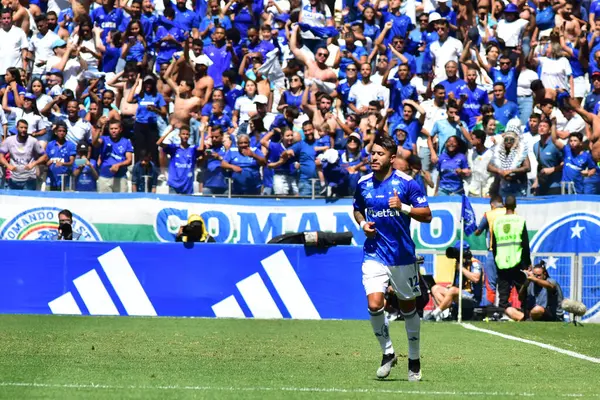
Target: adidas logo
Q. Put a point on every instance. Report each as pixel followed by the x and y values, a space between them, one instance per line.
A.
pixel 96 298
pixel 261 304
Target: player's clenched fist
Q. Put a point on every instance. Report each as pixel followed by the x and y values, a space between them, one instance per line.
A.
pixel 369 229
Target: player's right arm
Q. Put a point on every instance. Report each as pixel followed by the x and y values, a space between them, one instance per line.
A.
pixel 359 214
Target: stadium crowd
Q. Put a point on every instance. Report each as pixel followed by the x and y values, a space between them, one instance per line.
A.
pixel 284 97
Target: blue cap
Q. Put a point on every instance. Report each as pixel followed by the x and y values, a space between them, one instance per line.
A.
pixel 511 8
pixel 465 245
pixel 30 96
pixel 58 43
pixel 13 131
pixel 282 17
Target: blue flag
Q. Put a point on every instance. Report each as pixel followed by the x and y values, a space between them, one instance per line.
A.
pixel 468 216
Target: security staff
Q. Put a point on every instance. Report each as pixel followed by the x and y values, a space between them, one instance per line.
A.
pixel 487 223
pixel 510 245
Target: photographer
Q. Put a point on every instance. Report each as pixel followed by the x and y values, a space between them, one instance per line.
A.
pixel 65 229
pixel 194 231
pixel 471 292
pixel 544 297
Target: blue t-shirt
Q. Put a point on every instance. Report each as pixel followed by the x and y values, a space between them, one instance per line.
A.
pixel 143 115
pixel 248 181
pixel 110 58
pixel 549 156
pixel 591 101
pixel 214 175
pixel 86 181
pixel 187 19
pixel 506 112
pixel 393 244
pixel 181 168
pixel 471 106
pixel 113 153
pixel 221 59
pixel 136 52
pixel 225 22
pixel 305 154
pixel 63 153
pixel 166 49
pixel 275 150
pixel 358 52
pixel 445 130
pixel 576 67
pixel 573 165
pixel 402 24
pixel 450 181
pixel 232 95
pixel 509 79
pixel 412 128
pixel 453 87
pixel 107 20
pixel 401 91
pixel 139 174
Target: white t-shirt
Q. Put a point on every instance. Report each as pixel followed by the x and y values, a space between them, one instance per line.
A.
pixel 524 82
pixel 244 105
pixel 511 32
pixel 72 69
pixel 314 18
pixel 555 73
pixel 36 122
pixel 450 50
pixel 480 179
pixel 11 45
pixel 361 94
pixel 78 130
pixel 575 124
pixel 91 61
pixel 39 45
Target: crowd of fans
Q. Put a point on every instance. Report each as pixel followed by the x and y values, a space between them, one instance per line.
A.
pixel 283 97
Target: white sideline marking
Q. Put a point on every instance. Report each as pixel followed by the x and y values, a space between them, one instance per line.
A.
pixel 277 389
pixel 542 345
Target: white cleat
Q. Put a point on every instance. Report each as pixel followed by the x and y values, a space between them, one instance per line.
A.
pixel 414 370
pixel 387 363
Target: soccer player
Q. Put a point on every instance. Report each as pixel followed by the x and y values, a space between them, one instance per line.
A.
pixel 384 203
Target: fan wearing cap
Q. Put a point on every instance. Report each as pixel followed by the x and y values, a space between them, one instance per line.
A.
pixel 29 113
pixel 26 153
pixel 471 292
pixel 511 28
pixel 151 105
pixel 85 170
pixel 61 156
pixel 67 60
pixel 352 161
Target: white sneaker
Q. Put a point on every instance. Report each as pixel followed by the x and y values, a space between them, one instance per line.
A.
pixel 387 363
pixel 414 370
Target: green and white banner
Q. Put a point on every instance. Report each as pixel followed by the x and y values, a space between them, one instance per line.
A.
pixel 562 223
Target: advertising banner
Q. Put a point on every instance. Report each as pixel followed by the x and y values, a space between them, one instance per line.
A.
pixel 201 280
pixel 555 224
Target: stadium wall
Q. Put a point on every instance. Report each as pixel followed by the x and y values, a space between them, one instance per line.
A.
pixel 209 280
pixel 556 224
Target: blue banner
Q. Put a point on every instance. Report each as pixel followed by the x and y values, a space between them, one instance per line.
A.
pixel 205 280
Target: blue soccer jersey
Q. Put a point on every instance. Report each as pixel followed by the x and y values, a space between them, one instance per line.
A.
pixel 393 244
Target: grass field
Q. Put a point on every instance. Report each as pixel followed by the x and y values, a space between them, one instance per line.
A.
pixel 163 358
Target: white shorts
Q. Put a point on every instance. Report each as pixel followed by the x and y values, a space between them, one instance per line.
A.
pixel 403 278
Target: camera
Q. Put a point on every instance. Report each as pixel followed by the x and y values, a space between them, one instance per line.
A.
pixel 193 231
pixel 454 252
pixel 65 231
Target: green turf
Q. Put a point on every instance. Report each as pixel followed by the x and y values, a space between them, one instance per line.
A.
pixel 138 358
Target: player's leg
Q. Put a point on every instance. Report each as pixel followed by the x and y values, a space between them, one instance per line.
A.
pixel 375 281
pixel 405 281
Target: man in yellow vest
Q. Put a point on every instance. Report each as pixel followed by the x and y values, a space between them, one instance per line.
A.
pixel 510 245
pixel 487 223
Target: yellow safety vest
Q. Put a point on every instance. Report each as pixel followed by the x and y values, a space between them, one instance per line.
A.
pixel 491 218
pixel 508 230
